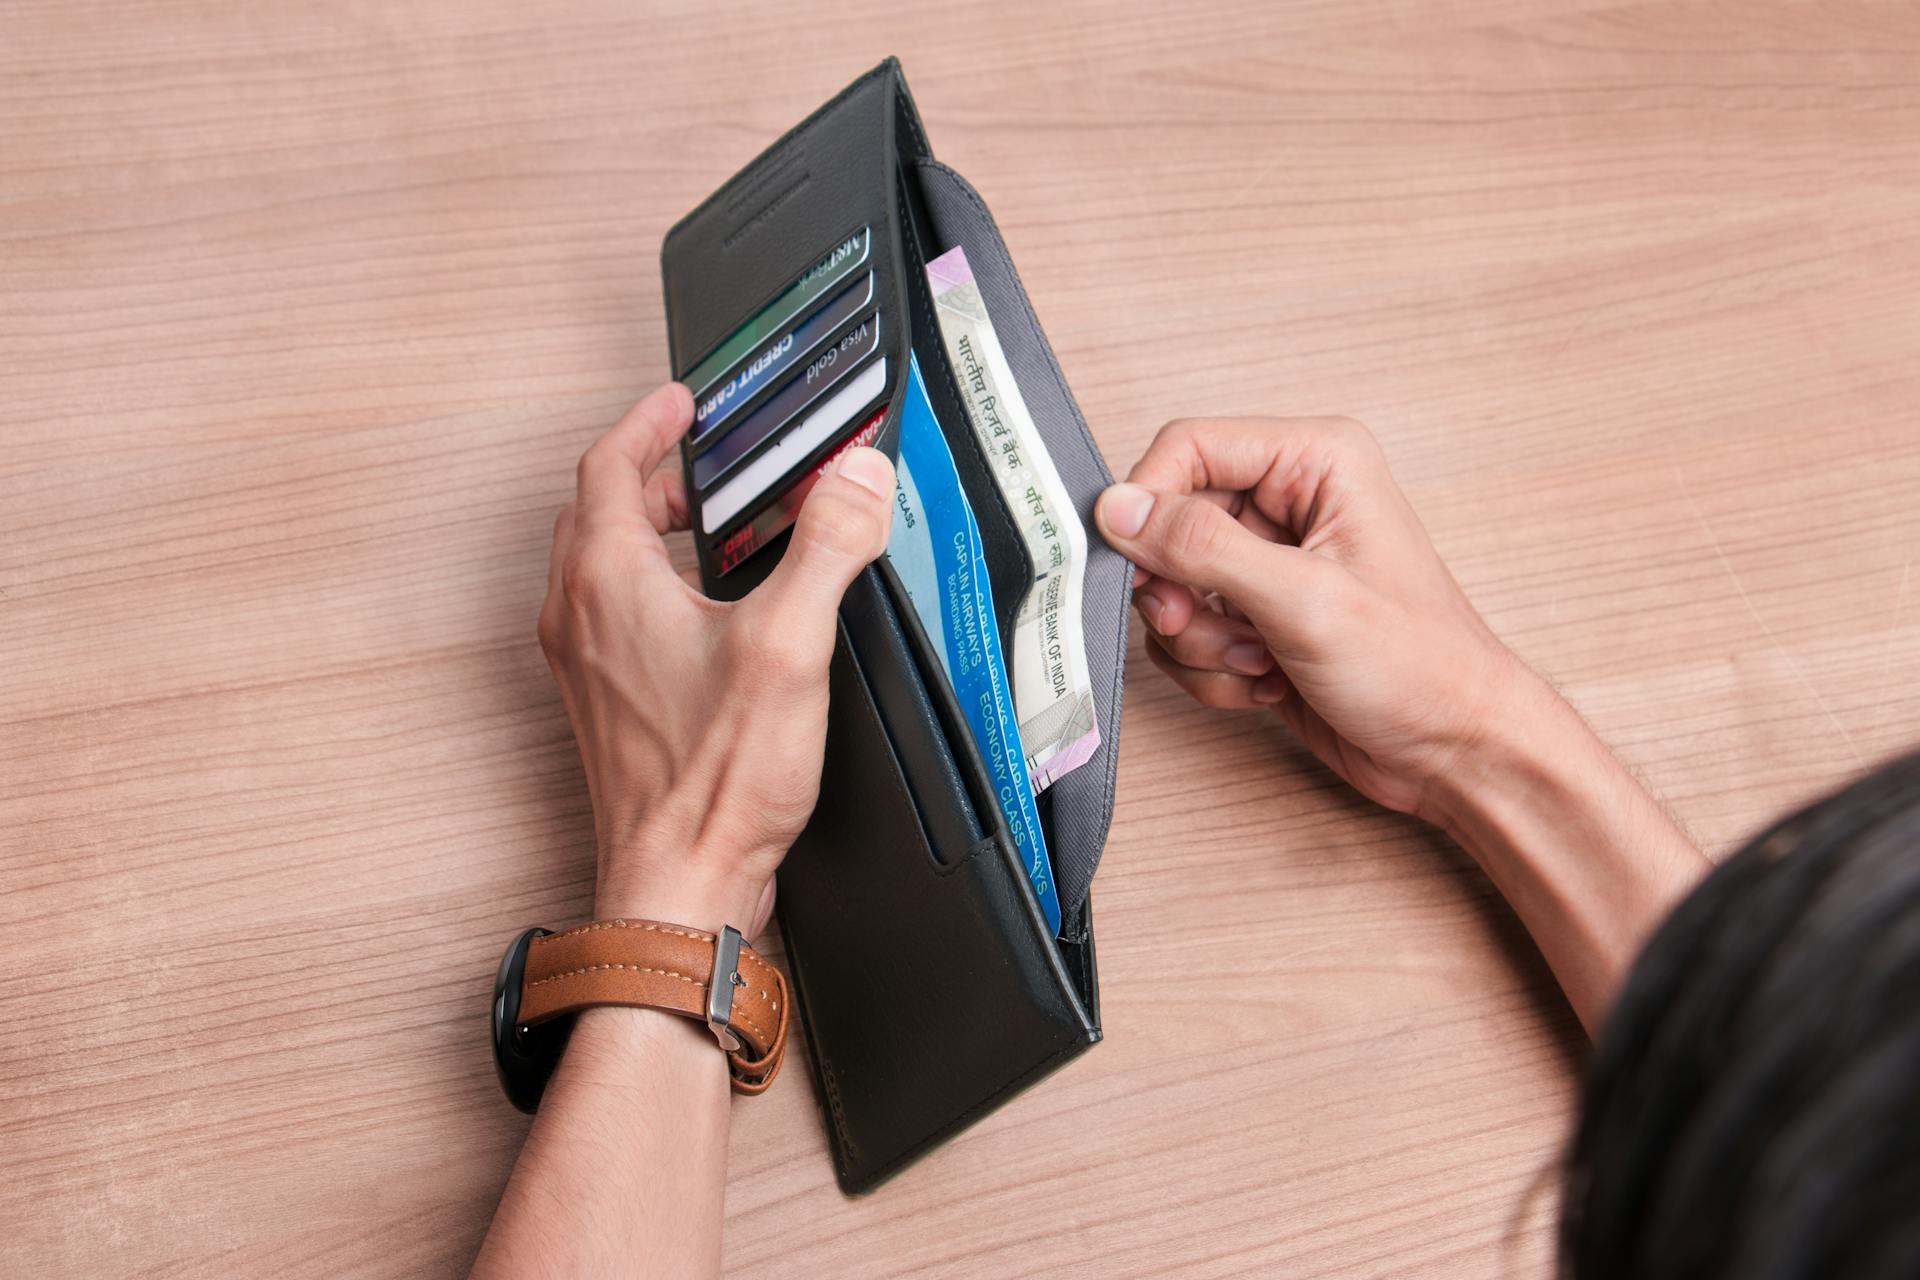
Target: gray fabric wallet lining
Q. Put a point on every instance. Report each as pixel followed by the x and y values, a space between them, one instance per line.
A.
pixel 1082 801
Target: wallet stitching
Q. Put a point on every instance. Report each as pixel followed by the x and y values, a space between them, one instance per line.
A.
pixel 911 114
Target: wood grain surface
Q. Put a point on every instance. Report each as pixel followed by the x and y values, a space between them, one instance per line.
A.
pixel 307 310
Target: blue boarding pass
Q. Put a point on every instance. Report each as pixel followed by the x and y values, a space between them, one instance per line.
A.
pixel 936 550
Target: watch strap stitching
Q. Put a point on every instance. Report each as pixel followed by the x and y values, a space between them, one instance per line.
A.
pixel 647 926
pixel 595 968
pixel 764 973
pixel 735 1014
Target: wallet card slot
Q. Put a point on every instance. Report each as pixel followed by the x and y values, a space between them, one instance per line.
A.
pixel 970 770
pixel 1081 802
pixel 762 372
pixel 726 267
pixel 1009 566
pixel 949 796
pixel 929 992
pixel 788 404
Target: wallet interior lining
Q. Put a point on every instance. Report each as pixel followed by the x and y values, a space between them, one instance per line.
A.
pixel 1081 803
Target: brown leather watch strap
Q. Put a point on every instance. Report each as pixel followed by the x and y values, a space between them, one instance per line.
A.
pixel 661 966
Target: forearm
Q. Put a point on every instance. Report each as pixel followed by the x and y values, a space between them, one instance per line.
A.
pixel 1589 861
pixel 624 1171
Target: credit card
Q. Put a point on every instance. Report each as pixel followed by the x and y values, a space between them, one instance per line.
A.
pixel 936 549
pixel 773 359
pixel 773 519
pixel 783 406
pixel 746 485
pixel 841 261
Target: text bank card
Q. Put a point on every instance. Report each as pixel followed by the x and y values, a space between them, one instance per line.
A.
pixel 802 390
pixel 721 403
pixel 935 548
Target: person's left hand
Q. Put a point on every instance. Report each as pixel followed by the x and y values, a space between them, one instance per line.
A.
pixel 701 724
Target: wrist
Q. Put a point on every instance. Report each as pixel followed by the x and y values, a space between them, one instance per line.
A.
pixel 678 887
pixel 1527 745
pixel 1581 851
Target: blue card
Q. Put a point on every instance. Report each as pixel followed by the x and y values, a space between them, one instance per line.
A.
pixel 935 547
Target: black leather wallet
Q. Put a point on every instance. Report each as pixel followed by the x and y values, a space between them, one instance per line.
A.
pixel 929 984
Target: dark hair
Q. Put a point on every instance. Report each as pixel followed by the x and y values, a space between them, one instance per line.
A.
pixel 1752 1108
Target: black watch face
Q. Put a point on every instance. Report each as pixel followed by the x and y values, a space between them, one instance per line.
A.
pixel 523 1057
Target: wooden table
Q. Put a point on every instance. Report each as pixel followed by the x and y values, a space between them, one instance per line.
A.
pixel 306 311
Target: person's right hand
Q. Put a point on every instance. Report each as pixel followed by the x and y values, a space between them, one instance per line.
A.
pixel 1281 566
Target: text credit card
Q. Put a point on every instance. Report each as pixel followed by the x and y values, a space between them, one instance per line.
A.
pixel 769 363
pixel 820 376
pixel 935 548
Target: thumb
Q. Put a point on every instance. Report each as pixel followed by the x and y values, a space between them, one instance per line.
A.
pixel 1194 542
pixel 842 526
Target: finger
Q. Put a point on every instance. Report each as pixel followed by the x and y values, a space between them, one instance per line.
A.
pixel 614 469
pixel 1167 606
pixel 1208 688
pixel 842 526
pixel 1191 541
pixel 1281 462
pixel 1214 642
pixel 562 539
pixel 666 500
pixel 1274 687
pixel 1260 525
pixel 1190 454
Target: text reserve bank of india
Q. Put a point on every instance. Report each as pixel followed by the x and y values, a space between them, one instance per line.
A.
pixel 1052 691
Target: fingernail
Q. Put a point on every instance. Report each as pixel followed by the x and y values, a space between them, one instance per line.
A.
pixel 1270 688
pixel 1150 609
pixel 869 469
pixel 1248 659
pixel 1124 508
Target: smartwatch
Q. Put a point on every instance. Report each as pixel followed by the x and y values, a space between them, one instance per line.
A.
pixel 546 978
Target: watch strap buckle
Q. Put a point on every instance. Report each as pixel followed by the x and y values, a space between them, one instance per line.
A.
pixel 726 976
pixel 717 979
